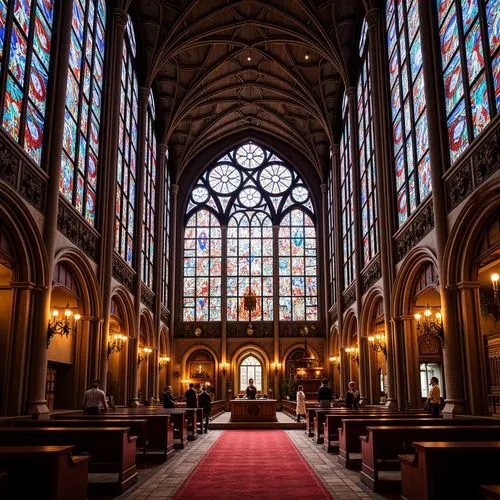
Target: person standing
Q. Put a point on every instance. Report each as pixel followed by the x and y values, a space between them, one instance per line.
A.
pixel 168 398
pixel 251 390
pixel 191 397
pixel 94 400
pixel 300 410
pixel 205 402
pixel 352 397
pixel 324 394
pixel 434 397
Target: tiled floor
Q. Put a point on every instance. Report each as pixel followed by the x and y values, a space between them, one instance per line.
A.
pixel 161 482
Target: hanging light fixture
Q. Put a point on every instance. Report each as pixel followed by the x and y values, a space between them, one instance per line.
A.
pixel 144 352
pixel 353 353
pixel 249 304
pixel 377 343
pixel 116 342
pixel 64 326
pixel 430 323
pixel 496 295
pixel 163 361
pixel 335 361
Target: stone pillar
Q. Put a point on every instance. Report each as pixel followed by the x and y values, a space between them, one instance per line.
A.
pixel 385 191
pixel 223 317
pixel 175 238
pixel 276 306
pixel 107 176
pixel 36 404
pixel 324 272
pixel 452 355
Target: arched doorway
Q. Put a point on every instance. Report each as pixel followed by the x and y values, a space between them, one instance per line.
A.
pixel 201 371
pixel 251 360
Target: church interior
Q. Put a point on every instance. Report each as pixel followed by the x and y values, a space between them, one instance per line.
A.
pixel 240 202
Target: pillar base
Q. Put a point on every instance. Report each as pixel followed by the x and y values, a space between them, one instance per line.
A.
pixel 38 409
pixel 453 407
pixel 134 403
pixel 391 404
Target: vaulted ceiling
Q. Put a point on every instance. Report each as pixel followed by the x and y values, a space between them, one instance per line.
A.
pixel 220 67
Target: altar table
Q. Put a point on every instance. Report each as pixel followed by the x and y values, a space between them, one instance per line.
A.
pixel 253 410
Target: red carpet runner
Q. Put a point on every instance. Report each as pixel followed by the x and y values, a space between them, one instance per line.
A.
pixel 253 464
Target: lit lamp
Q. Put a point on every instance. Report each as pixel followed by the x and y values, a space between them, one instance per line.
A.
pixel 63 326
pixel 494 280
pixel 116 342
pixel 144 352
pixel 277 367
pixel 377 343
pixel 163 362
pixel 335 361
pixel 223 368
pixel 429 323
pixel 353 353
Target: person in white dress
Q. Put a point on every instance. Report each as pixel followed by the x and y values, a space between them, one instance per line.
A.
pixel 301 403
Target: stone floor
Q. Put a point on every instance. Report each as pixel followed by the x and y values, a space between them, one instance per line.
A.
pixel 162 482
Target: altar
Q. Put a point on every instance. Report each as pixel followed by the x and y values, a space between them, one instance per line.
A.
pixel 253 410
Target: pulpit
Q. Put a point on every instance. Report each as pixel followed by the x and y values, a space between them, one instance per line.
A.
pixel 253 410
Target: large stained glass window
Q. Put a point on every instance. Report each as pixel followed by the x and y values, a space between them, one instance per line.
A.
pixel 408 106
pixel 366 151
pixel 25 45
pixel 298 289
pixel 346 194
pixel 127 151
pixel 251 191
pixel 331 239
pixel 469 31
pixel 202 267
pixel 250 265
pixel 166 238
pixel 79 161
pixel 250 368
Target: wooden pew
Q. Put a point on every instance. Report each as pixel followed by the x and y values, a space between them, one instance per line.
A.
pixel 112 449
pixel 382 445
pixel 449 470
pixel 352 428
pixel 159 428
pixel 180 424
pixel 218 408
pixel 44 472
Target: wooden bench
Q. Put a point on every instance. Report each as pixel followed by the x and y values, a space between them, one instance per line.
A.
pixel 112 449
pixel 180 422
pixel 218 408
pixel 45 472
pixel 382 445
pixel 449 470
pixel 352 429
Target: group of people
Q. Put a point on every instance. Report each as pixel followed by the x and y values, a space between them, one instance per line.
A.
pixel 353 398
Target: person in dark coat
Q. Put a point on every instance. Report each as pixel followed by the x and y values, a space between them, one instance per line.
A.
pixel 324 394
pixel 191 397
pixel 168 398
pixel 352 397
pixel 251 390
pixel 205 402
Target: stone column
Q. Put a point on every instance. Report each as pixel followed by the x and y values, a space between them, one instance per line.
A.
pixel 324 271
pixel 107 176
pixel 276 306
pixel 36 404
pixel 175 239
pixel 452 356
pixel 223 317
pixel 385 192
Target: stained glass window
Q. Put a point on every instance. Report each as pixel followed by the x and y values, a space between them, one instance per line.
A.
pixel 252 190
pixel 331 239
pixel 469 32
pixel 166 237
pixel 346 194
pixel 25 45
pixel 148 216
pixel 80 156
pixel 408 107
pixel 127 151
pixel 250 368
pixel 250 265
pixel 202 268
pixel 366 151
pixel 298 290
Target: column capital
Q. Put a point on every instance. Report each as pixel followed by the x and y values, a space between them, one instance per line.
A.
pixel 334 149
pixel 163 148
pixel 372 17
pixel 350 92
pixel 120 17
pixel 144 95
pixel 324 188
pixel 175 189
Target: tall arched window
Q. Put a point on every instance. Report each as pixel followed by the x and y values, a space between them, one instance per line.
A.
pixel 270 240
pixel 166 238
pixel 202 268
pixel 366 149
pixel 408 105
pixel 250 368
pixel 82 119
pixel 127 151
pixel 470 53
pixel 331 239
pixel 346 194
pixel 148 219
pixel 25 38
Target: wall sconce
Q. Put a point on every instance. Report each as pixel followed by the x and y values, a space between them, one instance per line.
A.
pixel 353 353
pixel 223 368
pixel 377 343
pixel 116 342
pixel 490 302
pixel 429 324
pixel 163 361
pixel 335 361
pixel 277 367
pixel 64 326
pixel 494 280
pixel 144 352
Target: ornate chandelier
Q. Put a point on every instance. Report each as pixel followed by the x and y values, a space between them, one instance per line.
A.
pixel 116 343
pixel 64 326
pixel 249 304
pixel 377 343
pixel 429 323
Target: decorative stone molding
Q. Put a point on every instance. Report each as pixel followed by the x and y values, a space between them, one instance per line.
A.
pixel 487 159
pixel 349 296
pixel 164 314
pixel 333 311
pixel 193 330
pixel 147 297
pixel 372 17
pixel 239 329
pixel 416 229
pixel 296 328
pixel 77 231
pixel 33 188
pixel 459 186
pixel 9 166
pixel 123 273
pixel 371 275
